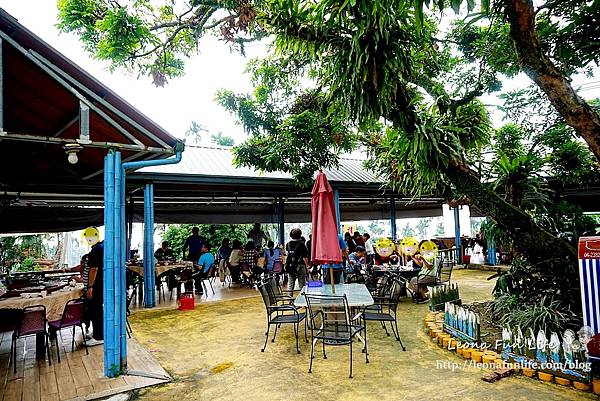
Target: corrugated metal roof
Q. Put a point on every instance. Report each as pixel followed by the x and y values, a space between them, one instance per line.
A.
pixel 213 160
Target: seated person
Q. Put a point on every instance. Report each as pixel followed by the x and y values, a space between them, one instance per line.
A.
pixel 164 252
pixel 427 277
pixel 250 256
pixel 357 258
pixel 271 255
pixel 223 254
pixel 81 268
pixel 204 263
pixel 393 259
pixel 234 260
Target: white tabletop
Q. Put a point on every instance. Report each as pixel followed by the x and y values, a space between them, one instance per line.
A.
pixel 356 294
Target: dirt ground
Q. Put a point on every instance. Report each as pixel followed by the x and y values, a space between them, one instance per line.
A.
pixel 213 353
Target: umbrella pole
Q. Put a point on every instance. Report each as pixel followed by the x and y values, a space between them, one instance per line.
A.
pixel 331 278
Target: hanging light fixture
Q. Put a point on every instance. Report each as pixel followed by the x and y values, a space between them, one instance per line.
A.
pixel 71 149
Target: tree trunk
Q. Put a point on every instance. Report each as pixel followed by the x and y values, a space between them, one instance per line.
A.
pixel 575 110
pixel 537 244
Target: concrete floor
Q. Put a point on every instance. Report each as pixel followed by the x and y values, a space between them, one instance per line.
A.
pixel 214 353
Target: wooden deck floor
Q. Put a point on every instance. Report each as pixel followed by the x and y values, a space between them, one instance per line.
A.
pixel 77 377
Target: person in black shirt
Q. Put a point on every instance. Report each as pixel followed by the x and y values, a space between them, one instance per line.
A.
pixel 95 291
pixel 297 260
pixel 193 244
pixel 164 252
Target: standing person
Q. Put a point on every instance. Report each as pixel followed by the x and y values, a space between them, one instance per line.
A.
pixel 193 244
pixel 350 244
pixel 223 254
pixel 369 248
pixel 234 260
pixel 338 268
pixel 257 236
pixel 297 260
pixel 95 289
pixel 271 255
pixel 358 239
pixel 205 262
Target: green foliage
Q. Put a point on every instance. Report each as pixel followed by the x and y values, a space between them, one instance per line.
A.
pixel 291 128
pixel 19 252
pixel 176 234
pixel 222 140
pixel 547 313
pixel 152 38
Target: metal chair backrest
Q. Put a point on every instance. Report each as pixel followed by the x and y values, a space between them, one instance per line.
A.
pixel 445 273
pixel 271 280
pixel 33 320
pixel 277 267
pixel 396 291
pixel 333 309
pixel 72 314
pixel 267 295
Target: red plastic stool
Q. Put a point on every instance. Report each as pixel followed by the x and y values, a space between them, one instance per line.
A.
pixel 186 301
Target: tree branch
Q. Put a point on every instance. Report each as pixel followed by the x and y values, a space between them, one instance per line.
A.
pixel 575 110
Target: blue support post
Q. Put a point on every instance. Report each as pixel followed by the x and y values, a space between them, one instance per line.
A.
pixel 457 234
pixel 110 350
pixel 336 202
pixel 149 277
pixel 492 260
pixel 124 256
pixel 118 227
pixel 281 220
pixel 393 218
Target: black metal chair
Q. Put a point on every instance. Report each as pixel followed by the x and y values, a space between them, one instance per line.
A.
pixel 33 322
pixel 72 317
pixel 444 273
pixel 385 310
pixel 280 295
pixel 330 323
pixel 278 314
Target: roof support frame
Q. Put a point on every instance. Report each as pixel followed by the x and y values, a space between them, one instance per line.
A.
pixel 49 139
pixel 79 96
pixel 99 99
pixel 84 122
pixel 66 126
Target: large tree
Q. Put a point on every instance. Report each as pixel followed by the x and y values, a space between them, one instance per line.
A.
pixel 378 69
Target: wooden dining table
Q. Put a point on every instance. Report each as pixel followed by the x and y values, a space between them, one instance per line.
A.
pixel 160 268
pixel 54 304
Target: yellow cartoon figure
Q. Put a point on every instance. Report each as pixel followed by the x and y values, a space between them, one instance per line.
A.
pixel 91 236
pixel 385 247
pixel 409 246
pixel 429 251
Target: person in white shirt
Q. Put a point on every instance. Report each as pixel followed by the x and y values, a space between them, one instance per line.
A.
pixel 369 248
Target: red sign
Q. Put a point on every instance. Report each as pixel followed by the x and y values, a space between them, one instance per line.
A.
pixel 589 248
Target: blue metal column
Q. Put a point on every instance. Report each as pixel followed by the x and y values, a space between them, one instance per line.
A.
pixel 111 367
pixel 124 256
pixel 393 218
pixel 281 220
pixel 457 234
pixel 491 259
pixel 336 201
pixel 149 278
pixel 119 231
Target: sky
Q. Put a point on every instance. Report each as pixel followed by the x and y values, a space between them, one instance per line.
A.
pixel 191 97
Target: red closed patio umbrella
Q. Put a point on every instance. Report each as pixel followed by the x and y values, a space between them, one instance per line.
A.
pixel 325 246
